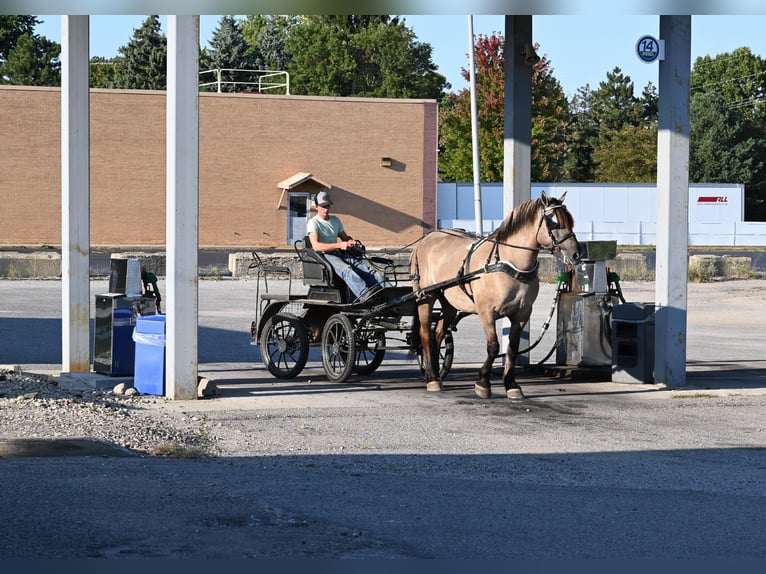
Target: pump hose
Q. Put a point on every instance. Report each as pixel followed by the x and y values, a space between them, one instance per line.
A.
pixel 546 324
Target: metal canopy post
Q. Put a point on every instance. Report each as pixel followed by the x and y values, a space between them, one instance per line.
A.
pixel 75 195
pixel 182 218
pixel 672 202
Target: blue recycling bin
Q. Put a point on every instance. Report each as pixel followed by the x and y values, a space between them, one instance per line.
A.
pixel 149 369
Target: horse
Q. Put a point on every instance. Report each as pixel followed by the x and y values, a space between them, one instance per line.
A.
pixel 493 277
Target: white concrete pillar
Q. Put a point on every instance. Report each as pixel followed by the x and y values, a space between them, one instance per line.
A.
pixel 75 195
pixel 672 203
pixel 182 222
pixel 517 146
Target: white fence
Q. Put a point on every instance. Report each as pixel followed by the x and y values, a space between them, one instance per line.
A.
pixel 625 213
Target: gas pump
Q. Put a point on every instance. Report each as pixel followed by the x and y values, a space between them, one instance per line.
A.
pixel 588 294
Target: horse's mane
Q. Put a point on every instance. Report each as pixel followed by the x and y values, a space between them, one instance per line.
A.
pixel 525 214
pixel 528 213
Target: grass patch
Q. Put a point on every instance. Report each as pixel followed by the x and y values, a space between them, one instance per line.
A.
pixel 694 396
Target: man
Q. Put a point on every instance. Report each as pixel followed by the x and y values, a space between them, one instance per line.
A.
pixel 328 236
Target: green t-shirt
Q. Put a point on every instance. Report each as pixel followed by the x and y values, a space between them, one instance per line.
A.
pixel 328 230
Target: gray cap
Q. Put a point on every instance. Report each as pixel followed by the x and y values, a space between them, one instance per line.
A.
pixel 323 199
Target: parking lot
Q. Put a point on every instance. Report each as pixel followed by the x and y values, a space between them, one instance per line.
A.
pixel 377 467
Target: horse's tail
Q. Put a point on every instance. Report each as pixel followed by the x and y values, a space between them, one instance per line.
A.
pixel 414 334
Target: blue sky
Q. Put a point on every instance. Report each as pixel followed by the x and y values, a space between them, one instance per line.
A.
pixel 581 48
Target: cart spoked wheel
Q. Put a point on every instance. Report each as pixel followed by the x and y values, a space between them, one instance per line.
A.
pixel 284 345
pixel 370 350
pixel 338 348
pixel 444 356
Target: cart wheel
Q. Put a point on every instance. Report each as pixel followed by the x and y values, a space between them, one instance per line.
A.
pixel 284 345
pixel 445 355
pixel 338 348
pixel 370 351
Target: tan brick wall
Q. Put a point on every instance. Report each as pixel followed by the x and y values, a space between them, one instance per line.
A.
pixel 247 145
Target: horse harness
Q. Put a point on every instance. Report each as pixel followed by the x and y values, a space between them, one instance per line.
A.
pixel 502 266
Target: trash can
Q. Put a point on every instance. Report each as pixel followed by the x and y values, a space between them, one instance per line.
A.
pixel 633 343
pixel 149 372
pixel 113 346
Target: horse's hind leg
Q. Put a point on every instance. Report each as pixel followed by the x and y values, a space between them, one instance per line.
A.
pixel 512 389
pixel 424 317
pixel 482 388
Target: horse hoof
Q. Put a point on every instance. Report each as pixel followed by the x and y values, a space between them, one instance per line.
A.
pixel 514 394
pixel 434 386
pixel 483 392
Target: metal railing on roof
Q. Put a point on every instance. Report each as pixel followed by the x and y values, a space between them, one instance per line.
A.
pixel 246 80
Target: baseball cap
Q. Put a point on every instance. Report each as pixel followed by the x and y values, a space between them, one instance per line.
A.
pixel 323 199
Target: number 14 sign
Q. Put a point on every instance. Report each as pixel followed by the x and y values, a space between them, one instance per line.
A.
pixel 649 49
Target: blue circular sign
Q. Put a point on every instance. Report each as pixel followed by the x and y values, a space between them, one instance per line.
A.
pixel 648 49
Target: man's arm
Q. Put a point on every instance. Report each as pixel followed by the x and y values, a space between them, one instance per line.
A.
pixel 343 243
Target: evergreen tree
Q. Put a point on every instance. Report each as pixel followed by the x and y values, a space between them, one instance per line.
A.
pixel 25 57
pixel 144 58
pixel 579 165
pixel 228 55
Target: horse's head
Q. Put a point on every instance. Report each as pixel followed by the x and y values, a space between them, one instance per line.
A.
pixel 556 229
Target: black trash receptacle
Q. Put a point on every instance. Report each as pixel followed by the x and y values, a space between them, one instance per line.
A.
pixel 633 343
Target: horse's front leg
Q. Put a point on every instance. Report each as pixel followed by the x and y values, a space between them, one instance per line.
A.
pixel 482 388
pixel 512 389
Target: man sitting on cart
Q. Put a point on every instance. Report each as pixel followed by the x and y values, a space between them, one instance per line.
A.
pixel 328 236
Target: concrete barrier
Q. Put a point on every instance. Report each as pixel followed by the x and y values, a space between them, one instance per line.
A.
pixel 37 265
pixel 629 266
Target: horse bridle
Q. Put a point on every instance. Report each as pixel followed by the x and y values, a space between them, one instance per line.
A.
pixel 547 211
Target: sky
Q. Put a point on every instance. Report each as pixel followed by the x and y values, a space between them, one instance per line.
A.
pixel 581 48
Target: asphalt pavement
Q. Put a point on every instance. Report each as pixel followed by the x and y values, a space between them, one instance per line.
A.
pixel 379 468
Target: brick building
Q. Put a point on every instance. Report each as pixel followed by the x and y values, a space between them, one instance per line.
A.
pixel 377 156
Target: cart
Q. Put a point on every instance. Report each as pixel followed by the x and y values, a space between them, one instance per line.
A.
pixel 354 336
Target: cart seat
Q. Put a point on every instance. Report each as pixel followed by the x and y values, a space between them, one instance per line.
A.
pixel 320 276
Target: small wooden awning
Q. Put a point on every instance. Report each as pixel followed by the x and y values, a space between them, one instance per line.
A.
pixel 298 180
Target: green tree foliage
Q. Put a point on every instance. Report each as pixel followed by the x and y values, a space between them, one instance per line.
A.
pixel 549 120
pixel 103 72
pixel 267 38
pixel 579 164
pixel 25 57
pixel 728 125
pixel 228 55
pixel 628 155
pixel 610 113
pixel 726 148
pixel 739 77
pixel 144 58
pixel 550 123
pixel 364 56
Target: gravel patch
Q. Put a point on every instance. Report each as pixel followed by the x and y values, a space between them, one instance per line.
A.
pixel 34 406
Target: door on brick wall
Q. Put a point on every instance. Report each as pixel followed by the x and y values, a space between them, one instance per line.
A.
pixel 298 211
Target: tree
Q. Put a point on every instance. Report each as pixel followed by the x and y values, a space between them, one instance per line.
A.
pixel 550 124
pixel 25 57
pixel 11 29
pixel 628 155
pixel 549 120
pixel 725 148
pixel 739 77
pixel 365 56
pixel 579 164
pixel 103 72
pixel 230 51
pixel 613 136
pixel 145 58
pixel 267 38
